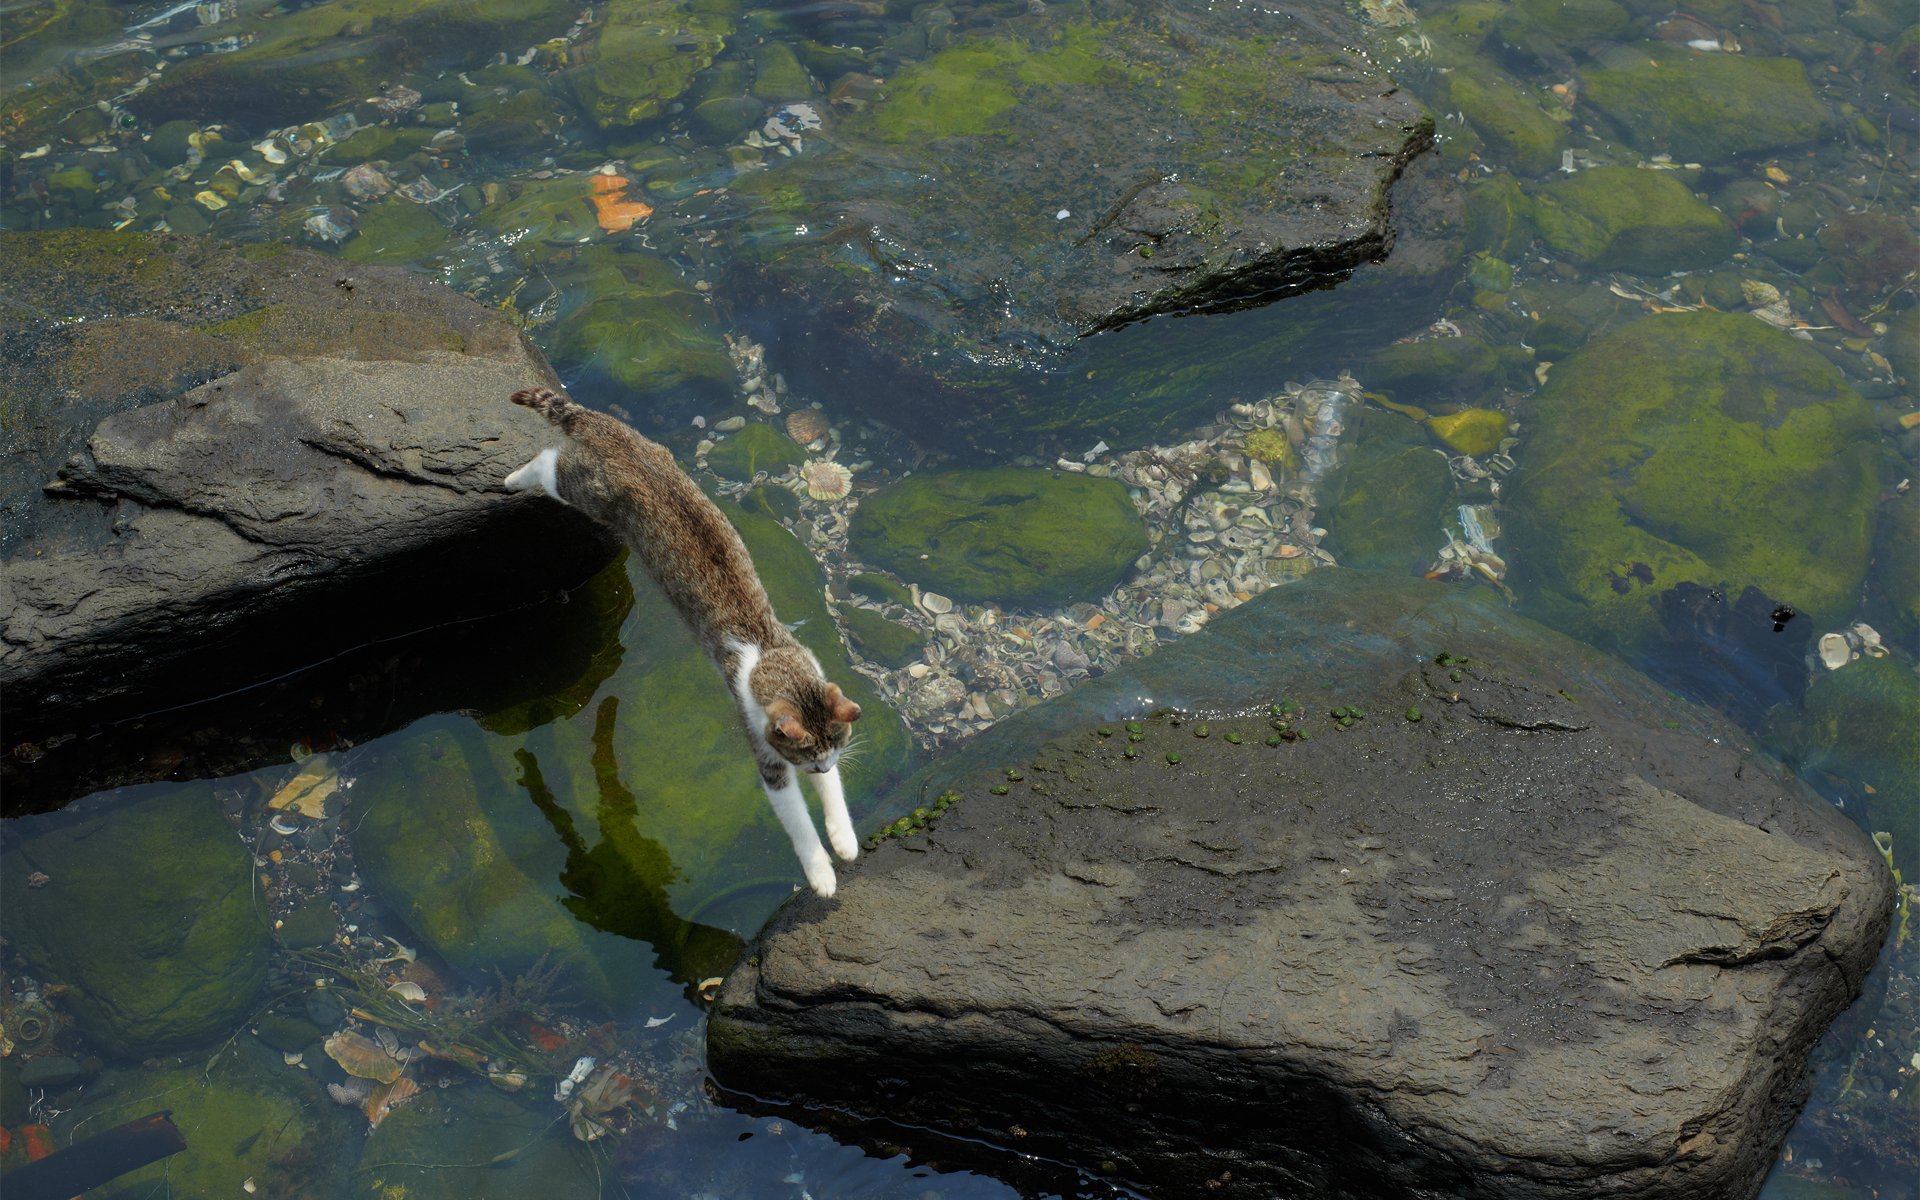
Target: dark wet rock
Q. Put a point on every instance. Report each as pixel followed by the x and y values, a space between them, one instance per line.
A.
pixel 147 913
pixel 1704 107
pixel 301 65
pixel 1566 937
pixel 1858 738
pixel 1625 218
pixel 1204 158
pixel 1499 216
pixel 1701 447
pixel 50 1071
pixel 1743 654
pixel 264 458
pixel 1017 535
pixel 1872 250
pixel 447 1145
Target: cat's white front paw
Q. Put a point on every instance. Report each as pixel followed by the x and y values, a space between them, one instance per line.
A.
pixel 819 875
pixel 844 843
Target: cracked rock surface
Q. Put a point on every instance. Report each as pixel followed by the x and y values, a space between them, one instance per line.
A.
pixel 1529 927
pixel 223 463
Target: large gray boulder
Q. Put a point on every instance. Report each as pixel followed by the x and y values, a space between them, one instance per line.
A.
pixel 222 464
pixel 1530 927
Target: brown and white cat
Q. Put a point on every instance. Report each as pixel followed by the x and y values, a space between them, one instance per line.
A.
pixel 794 717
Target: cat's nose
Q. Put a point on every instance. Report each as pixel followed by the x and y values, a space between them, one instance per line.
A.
pixel 817 768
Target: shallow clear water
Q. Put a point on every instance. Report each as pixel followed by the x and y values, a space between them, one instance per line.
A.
pixel 561 877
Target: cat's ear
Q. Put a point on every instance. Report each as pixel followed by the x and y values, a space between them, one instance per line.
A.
pixel 784 719
pixel 843 709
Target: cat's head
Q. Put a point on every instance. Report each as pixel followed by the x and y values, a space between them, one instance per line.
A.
pixel 810 724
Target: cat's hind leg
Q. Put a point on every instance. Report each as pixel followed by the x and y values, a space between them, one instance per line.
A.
pixel 833 806
pixel 783 792
pixel 537 474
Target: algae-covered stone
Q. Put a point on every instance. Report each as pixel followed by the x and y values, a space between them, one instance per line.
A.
pixel 1629 219
pixel 1563 22
pixel 1418 372
pixel 1475 431
pixel 636 320
pixel 1703 447
pixel 1518 131
pixel 1015 535
pixel 1499 216
pixel 1705 107
pixel 757 447
pixel 888 643
pixel 1873 250
pixel 881 588
pixel 777 73
pixel 1389 507
pixel 246 1118
pixel 397 231
pixel 475 1143
pixel 1860 727
pixel 645 56
pixel 148 915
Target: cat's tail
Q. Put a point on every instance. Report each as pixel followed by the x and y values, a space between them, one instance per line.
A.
pixel 554 406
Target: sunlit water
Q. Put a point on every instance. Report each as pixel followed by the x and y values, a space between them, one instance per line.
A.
pixel 615 865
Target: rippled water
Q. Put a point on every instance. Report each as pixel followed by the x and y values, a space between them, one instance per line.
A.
pixel 560 878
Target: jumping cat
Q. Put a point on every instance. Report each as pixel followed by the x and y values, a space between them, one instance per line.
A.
pixel 794 717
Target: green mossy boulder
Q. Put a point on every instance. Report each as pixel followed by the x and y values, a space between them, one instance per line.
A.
pixel 1703 447
pixel 1458 368
pixel 1475 431
pixel 1015 535
pixel 1564 22
pixel 778 75
pixel 1705 107
pixel 1893 582
pixel 377 143
pixel 540 212
pixel 1873 250
pixel 888 643
pixel 756 447
pixel 636 320
pixel 1519 132
pixel 1624 218
pixel 513 126
pixel 449 844
pixel 646 55
pixel 246 1116
pixel 1499 216
pixel 1389 506
pixel 882 589
pixel 397 231
pixel 475 1143
pixel 148 915
pixel 1860 727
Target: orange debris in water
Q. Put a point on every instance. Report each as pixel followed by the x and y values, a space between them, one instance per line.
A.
pixel 39 1141
pixel 6 1140
pixel 543 1037
pixel 616 215
pixel 1096 620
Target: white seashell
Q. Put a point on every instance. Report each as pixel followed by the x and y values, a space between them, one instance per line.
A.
pixel 730 425
pixel 1834 651
pixel 292 1058
pixel 657 1022
pixel 409 991
pixel 935 603
pixel 284 824
pixel 919 670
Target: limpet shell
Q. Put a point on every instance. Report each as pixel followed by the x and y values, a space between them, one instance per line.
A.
pixel 935 603
pixel 1834 651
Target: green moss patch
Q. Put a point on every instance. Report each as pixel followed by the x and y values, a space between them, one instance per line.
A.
pixel 1706 107
pixel 1630 219
pixel 756 447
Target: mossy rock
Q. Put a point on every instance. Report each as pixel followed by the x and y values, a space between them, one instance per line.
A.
pixel 514 126
pixel 448 1145
pixel 1628 219
pixel 778 75
pixel 1389 507
pixel 646 55
pixel 1873 250
pixel 552 212
pixel 1014 535
pixel 397 231
pixel 1893 582
pixel 637 321
pixel 245 1116
pixel 1499 216
pixel 1860 726
pixel 377 143
pixel 1461 368
pixel 888 643
pixel 1703 447
pixel 1705 107
pixel 1518 131
pixel 1475 431
pixel 882 589
pixel 149 916
pixel 756 447
pixel 1564 22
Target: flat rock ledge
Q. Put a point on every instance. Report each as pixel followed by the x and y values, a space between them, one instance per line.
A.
pixel 225 463
pixel 1562 935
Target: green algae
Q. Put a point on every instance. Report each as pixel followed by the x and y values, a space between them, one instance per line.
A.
pixel 148 914
pixel 1860 727
pixel 888 643
pixel 756 447
pixel 474 1142
pixel 631 316
pixel 397 231
pixel 1631 219
pixel 1388 505
pixel 1475 431
pixel 647 53
pixel 1516 127
pixel 963 91
pixel 1706 107
pixel 1015 535
pixel 1704 447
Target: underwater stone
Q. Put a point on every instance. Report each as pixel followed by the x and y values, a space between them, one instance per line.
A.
pixel 1857 736
pixel 449 1145
pixel 1631 219
pixel 1704 447
pixel 646 54
pixel 1475 431
pixel 1297 1028
pixel 1705 107
pixel 1011 534
pixel 149 917
pixel 757 447
pixel 632 318
pixel 1387 507
pixel 888 643
pixel 1518 131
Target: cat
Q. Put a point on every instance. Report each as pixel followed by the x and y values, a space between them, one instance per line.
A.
pixel 794 716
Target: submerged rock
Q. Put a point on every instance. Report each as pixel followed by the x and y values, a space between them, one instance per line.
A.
pixel 1704 107
pixel 1624 218
pixel 147 914
pixel 263 458
pixel 1859 738
pixel 1019 536
pixel 1700 447
pixel 472 1141
pixel 1196 158
pixel 1567 936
